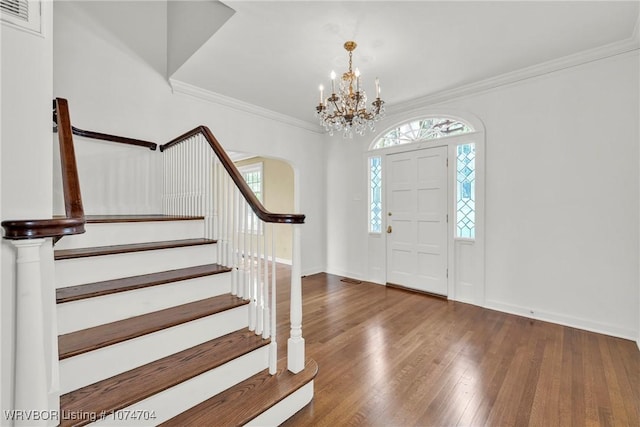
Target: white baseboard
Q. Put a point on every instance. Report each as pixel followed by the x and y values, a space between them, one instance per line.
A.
pixel 563 319
pixel 313 270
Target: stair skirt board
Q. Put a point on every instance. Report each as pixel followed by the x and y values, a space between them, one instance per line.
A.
pixel 132 232
pixel 79 371
pixel 90 312
pixel 175 400
pixel 286 408
pixel 77 271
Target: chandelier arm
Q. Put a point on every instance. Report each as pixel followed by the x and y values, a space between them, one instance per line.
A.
pixel 335 106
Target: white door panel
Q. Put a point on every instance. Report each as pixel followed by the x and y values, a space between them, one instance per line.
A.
pixel 416 185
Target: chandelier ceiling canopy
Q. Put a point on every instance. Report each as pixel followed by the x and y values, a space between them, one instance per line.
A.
pixel 346 109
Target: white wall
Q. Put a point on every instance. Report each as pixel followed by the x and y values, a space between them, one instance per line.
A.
pixel 111 88
pixel 561 196
pixel 25 153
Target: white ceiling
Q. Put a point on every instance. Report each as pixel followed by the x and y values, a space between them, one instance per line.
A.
pixel 274 54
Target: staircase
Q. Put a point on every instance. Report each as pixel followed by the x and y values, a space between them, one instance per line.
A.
pixel 150 333
pixel 157 319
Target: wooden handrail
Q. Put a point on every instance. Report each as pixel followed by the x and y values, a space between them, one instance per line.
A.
pixel 246 191
pixel 74 221
pixel 107 137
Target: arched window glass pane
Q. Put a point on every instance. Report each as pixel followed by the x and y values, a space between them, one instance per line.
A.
pixel 418 130
pixel 466 191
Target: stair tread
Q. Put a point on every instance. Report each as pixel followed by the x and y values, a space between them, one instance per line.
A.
pixel 125 389
pixel 246 400
pixel 96 289
pixel 133 247
pixel 85 340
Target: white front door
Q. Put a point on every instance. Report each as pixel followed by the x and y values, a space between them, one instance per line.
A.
pixel 416 183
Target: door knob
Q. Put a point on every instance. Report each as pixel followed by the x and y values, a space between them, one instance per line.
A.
pixel 389 229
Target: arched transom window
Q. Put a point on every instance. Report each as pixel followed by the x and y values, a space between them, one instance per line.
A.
pixel 418 130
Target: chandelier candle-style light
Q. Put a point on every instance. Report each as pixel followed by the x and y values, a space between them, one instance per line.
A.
pixel 346 110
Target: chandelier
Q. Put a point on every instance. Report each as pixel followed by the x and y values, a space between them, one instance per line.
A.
pixel 346 110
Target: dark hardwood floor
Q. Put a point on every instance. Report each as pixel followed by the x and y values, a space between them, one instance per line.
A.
pixel 389 357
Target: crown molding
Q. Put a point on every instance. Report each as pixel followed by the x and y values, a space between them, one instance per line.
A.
pixel 216 98
pixel 617 48
pixel 574 60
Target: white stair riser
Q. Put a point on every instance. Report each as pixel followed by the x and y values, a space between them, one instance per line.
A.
pixel 122 233
pixel 177 399
pixel 78 271
pixel 88 368
pixel 286 408
pixel 86 313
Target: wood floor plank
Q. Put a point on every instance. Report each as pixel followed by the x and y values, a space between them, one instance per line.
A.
pixel 125 389
pixel 90 290
pixel 133 247
pixel 389 357
pixel 75 343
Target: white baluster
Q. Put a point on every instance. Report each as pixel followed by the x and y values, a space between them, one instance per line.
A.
pixel 259 283
pixel 170 180
pixel 202 159
pixel 187 176
pixel 31 385
pixel 181 168
pixel 174 180
pixel 179 190
pixel 227 219
pixel 252 303
pixel 246 249
pixel 295 344
pixel 192 174
pixel 267 321
pixel 195 176
pixel 242 289
pixel 216 205
pixel 237 231
pixel 209 196
pixel 273 346
pixel 221 213
pixel 230 192
pixel 164 184
pixel 233 222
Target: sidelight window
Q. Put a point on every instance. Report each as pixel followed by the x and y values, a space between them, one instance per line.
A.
pixel 466 191
pixel 375 194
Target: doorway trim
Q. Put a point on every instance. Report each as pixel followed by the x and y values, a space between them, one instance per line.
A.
pixel 466 257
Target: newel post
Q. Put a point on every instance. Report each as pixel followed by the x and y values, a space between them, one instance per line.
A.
pixel 31 386
pixel 295 344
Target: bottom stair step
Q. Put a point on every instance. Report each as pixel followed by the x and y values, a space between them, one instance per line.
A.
pixel 245 401
pixel 112 394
